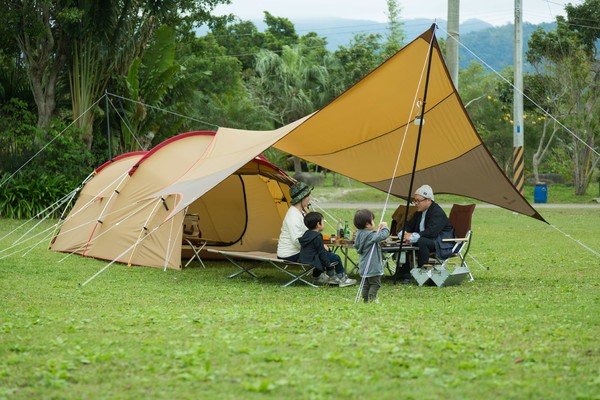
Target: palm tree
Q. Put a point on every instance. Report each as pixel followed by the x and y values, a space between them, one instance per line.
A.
pixel 299 81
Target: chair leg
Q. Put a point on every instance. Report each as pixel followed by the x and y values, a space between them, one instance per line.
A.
pixel 196 253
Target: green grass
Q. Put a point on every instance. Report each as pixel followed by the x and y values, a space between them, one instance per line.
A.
pixel 527 328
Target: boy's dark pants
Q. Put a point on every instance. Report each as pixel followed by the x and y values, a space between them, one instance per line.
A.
pixel 371 287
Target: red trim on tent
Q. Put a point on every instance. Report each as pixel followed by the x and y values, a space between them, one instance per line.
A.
pixel 260 159
pixel 117 158
pixel 166 142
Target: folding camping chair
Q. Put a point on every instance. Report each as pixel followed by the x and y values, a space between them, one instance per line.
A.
pixel 460 218
pixel 192 236
pixel 439 271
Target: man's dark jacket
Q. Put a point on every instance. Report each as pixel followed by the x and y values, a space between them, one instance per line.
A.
pixel 437 227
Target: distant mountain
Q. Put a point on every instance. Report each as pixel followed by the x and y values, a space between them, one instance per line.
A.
pixel 493 45
pixel 340 31
pixel 481 41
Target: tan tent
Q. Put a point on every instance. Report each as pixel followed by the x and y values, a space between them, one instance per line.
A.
pixel 368 133
pixel 116 216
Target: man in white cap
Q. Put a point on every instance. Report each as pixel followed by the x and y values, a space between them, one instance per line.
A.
pixel 426 229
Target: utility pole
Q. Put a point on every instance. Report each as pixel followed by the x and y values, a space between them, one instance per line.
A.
pixel 452 39
pixel 518 127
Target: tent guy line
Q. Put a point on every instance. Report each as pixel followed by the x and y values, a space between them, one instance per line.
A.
pixel 125 121
pixel 163 110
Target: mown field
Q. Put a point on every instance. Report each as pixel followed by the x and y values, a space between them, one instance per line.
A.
pixel 527 327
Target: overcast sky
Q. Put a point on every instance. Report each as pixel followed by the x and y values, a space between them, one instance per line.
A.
pixel 495 12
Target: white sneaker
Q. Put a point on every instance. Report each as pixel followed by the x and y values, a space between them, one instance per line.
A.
pixel 345 281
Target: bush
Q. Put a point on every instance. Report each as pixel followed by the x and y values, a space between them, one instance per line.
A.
pixel 27 195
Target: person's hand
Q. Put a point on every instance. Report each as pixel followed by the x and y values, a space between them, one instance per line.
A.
pixel 382 225
pixel 407 236
pixel 326 247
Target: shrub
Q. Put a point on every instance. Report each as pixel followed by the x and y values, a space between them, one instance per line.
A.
pixel 28 194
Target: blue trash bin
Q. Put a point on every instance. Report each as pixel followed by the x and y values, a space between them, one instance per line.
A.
pixel 540 192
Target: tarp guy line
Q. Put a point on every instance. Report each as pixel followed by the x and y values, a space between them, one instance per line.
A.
pixel 527 97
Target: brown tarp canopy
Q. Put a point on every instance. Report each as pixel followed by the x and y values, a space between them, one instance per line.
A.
pixel 361 133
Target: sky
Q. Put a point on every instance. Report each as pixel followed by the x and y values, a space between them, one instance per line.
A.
pixel 495 12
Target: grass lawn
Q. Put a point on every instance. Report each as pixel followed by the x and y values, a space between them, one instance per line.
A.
pixel 527 328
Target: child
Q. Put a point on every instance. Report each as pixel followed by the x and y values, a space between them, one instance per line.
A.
pixel 367 246
pixel 312 252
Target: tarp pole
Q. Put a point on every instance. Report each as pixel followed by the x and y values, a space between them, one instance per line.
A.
pixel 414 168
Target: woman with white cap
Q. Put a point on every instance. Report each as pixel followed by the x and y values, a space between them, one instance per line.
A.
pixel 427 227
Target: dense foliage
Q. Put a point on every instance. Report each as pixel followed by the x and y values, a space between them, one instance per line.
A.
pixel 160 78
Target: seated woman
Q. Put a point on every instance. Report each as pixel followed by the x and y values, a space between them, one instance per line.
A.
pixel 293 228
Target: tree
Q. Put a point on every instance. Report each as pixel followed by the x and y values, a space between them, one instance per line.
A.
pixel 395 36
pixel 219 95
pixel 240 39
pixel 295 83
pixel 360 57
pixel 280 32
pixel 46 30
pixel 148 81
pixel 565 59
pixel 544 90
pixel 36 27
pixel 487 101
